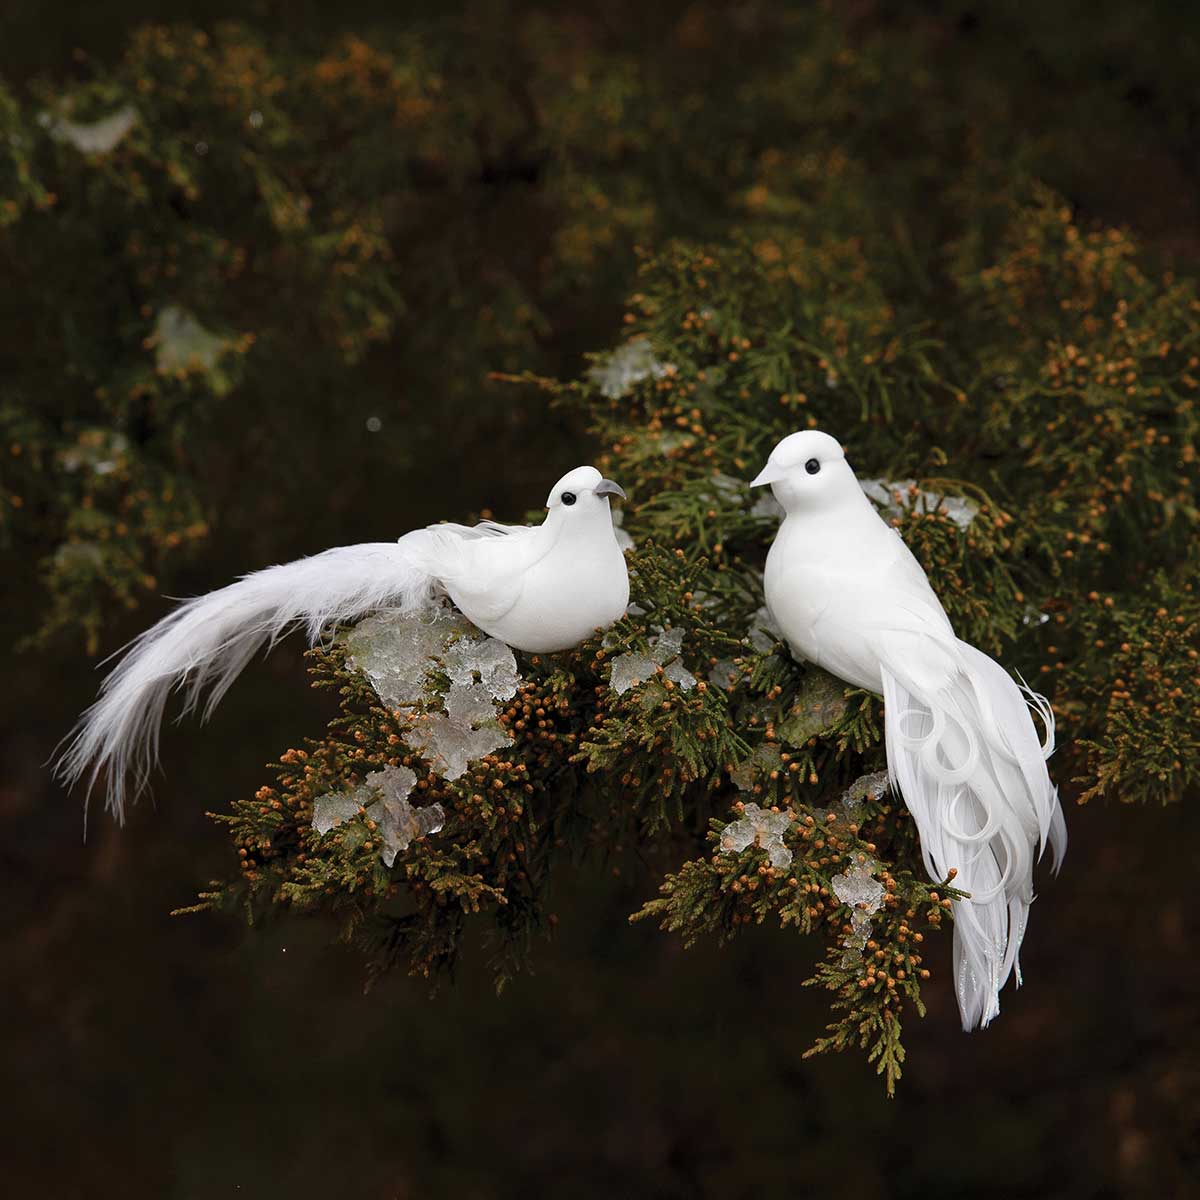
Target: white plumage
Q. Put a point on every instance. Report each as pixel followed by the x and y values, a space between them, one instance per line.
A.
pixel 539 588
pixel 962 747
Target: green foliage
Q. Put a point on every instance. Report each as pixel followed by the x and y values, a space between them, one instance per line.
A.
pixel 1132 679
pixel 475 190
pixel 1022 376
pixel 1020 566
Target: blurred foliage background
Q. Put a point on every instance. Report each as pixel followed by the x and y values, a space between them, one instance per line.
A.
pixel 262 322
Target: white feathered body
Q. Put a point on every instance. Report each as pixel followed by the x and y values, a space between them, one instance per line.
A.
pixel 539 588
pixel 961 744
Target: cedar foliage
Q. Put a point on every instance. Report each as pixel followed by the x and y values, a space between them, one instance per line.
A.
pixel 1080 460
pixel 964 328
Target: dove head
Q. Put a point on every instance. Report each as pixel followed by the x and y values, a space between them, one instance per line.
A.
pixel 581 495
pixel 808 471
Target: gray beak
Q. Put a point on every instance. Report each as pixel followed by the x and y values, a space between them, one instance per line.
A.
pixel 606 487
pixel 769 474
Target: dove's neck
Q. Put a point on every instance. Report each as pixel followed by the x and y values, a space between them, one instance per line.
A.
pixel 839 508
pixel 582 527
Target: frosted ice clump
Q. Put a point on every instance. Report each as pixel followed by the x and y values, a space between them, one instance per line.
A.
pixel 452 745
pixel 76 556
pixel 490 658
pixel 759 827
pixel 393 783
pixel 628 670
pixel 399 822
pixel 767 506
pixel 724 673
pixel 183 343
pixel 402 824
pixel 472 704
pixel 896 496
pixel 665 647
pixel 859 888
pixel 726 486
pixel 818 705
pixel 678 674
pixel 331 810
pixel 764 758
pixel 626 367
pixel 763 632
pixel 702 599
pixel 97 450
pixel 93 137
pixel 396 651
pixel 383 796
pixel 865 787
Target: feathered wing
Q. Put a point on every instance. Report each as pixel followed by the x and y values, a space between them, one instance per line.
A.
pixel 203 645
pixel 966 756
pixel 963 751
pixel 482 567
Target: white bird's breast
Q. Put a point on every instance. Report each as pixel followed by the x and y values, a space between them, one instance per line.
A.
pixel 562 599
pixel 819 587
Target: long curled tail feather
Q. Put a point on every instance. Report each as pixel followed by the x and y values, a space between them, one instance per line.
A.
pixel 203 645
pixel 969 763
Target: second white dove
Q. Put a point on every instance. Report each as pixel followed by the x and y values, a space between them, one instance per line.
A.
pixel 962 746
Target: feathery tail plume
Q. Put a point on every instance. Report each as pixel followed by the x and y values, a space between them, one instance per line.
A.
pixel 971 769
pixel 205 642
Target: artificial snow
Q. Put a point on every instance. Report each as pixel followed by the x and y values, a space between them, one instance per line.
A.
pixel 93 137
pixel 865 787
pixel 452 745
pixel 632 668
pixel 335 808
pixel 628 670
pixel 383 797
pixel 763 828
pixel 404 656
pixel 724 673
pixel 819 704
pixel 764 759
pixel 97 450
pixel 767 507
pixel 490 659
pixel 896 496
pixel 763 632
pixel 859 888
pixel 626 367
pixel 397 652
pixel 182 343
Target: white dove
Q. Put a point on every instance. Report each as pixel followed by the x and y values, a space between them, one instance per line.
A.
pixel 962 748
pixel 540 588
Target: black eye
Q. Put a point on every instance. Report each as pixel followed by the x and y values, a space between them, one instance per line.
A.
pixel 812 466
pixel 568 497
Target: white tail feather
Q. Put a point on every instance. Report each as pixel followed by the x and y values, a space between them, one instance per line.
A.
pixel 204 644
pixel 969 764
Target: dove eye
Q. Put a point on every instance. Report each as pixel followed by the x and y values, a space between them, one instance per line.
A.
pixel 568 498
pixel 812 466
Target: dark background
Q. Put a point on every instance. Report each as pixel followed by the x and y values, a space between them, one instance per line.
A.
pixel 151 1056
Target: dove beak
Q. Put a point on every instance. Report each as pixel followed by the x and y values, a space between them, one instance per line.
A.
pixel 769 474
pixel 606 487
